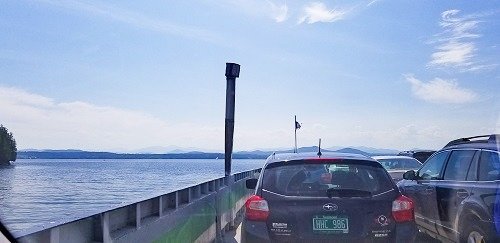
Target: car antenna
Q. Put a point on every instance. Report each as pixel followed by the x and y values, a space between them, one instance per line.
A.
pixel 319 148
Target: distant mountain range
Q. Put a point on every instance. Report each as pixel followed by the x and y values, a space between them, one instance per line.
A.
pixel 181 154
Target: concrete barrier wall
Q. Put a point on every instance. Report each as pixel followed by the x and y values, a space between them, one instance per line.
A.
pixel 199 213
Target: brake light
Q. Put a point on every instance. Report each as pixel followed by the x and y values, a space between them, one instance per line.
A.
pixel 256 208
pixel 402 209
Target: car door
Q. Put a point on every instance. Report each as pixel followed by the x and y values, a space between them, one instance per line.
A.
pixel 424 191
pixel 487 195
pixel 452 190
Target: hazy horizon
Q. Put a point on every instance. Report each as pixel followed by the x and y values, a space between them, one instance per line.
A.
pixel 168 149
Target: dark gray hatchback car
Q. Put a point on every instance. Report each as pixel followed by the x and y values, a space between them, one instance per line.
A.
pixel 334 197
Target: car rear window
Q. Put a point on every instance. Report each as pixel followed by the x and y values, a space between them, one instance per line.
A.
pixel 326 179
pixel 400 164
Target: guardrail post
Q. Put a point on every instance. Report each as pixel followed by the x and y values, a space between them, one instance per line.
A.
pixel 177 199
pixel 54 235
pixel 106 230
pixel 230 185
pixel 160 206
pixel 218 213
pixel 138 215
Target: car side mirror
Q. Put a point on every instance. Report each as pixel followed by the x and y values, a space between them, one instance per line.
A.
pixel 251 183
pixel 410 175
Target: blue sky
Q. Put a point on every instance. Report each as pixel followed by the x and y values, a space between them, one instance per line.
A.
pixel 126 75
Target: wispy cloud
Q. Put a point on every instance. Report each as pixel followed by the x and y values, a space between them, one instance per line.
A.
pixel 134 19
pixel 424 136
pixel 41 122
pixel 316 12
pixel 372 2
pixel 278 11
pixel 456 46
pixel 319 12
pixel 453 53
pixel 440 91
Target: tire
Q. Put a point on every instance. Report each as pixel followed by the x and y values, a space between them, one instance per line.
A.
pixel 474 234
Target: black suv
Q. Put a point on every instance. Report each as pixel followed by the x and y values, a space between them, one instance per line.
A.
pixel 457 191
pixel 333 197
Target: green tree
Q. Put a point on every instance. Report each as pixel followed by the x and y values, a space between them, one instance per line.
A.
pixel 8 148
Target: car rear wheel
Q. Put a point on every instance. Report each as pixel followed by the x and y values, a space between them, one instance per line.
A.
pixel 474 234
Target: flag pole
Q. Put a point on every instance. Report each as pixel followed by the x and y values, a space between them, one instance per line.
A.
pixel 295 128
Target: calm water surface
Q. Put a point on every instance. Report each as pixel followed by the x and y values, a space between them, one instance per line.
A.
pixel 38 192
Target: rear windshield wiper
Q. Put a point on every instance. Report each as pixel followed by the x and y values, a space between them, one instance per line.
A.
pixel 336 192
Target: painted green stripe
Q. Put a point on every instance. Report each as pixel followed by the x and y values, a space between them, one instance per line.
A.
pixel 192 228
pixel 229 198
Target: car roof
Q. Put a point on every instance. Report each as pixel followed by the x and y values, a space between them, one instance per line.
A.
pixel 417 151
pixel 393 157
pixel 478 145
pixel 306 156
pixel 491 142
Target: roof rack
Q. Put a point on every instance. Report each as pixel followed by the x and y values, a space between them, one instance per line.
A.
pixel 493 138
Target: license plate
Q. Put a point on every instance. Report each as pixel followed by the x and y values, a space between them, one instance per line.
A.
pixel 330 224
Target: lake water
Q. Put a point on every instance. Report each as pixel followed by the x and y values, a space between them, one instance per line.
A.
pixel 37 192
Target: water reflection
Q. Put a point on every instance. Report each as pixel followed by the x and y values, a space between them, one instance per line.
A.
pixel 35 192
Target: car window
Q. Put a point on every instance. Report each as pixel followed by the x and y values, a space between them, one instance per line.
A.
pixel 316 179
pixel 458 164
pixel 412 164
pixel 472 174
pixel 422 156
pixel 392 164
pixel 387 164
pixel 489 166
pixel 431 170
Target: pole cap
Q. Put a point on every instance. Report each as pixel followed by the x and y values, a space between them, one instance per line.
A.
pixel 232 70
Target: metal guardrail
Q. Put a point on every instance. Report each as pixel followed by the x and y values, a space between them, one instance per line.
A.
pixel 198 213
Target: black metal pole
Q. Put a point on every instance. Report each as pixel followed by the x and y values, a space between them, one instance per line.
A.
pixel 295 128
pixel 232 72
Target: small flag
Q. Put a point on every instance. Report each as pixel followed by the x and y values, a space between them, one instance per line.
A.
pixel 297 125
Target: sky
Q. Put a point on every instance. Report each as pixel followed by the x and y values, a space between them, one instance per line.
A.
pixel 128 75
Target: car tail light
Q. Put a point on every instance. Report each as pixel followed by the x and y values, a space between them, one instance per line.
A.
pixel 256 209
pixel 402 209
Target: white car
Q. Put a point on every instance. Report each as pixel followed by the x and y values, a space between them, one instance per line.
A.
pixel 397 165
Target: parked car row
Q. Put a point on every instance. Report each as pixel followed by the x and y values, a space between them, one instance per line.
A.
pixel 337 197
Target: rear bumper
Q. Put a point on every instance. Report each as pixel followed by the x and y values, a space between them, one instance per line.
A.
pixel 406 232
pixel 257 232
pixel 252 231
